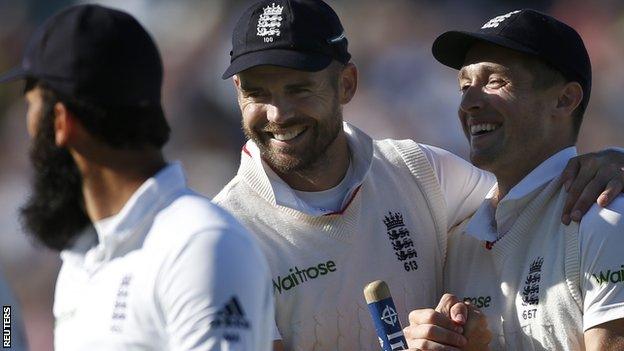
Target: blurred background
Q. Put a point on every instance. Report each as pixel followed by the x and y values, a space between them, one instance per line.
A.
pixel 403 93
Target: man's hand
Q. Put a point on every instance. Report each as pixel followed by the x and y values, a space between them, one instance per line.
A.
pixel 442 328
pixel 476 330
pixel 597 176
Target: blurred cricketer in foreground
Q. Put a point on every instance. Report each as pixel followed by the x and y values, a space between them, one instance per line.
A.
pixel 147 263
pixel 541 284
pixel 334 209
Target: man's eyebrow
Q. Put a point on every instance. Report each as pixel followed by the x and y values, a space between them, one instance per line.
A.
pixel 464 73
pixel 461 74
pixel 487 68
pixel 302 84
pixel 246 86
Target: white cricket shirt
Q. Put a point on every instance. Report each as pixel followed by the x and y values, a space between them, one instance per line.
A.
pixel 171 271
pixel 542 284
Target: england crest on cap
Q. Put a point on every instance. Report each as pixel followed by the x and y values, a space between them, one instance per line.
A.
pixel 270 22
pixel 494 22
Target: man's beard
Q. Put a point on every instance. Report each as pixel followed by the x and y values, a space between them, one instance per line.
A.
pixel 54 214
pixel 303 158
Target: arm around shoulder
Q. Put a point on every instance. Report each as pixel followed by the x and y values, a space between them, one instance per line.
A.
pixel 601 236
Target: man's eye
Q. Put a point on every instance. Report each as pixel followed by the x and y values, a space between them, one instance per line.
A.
pixel 253 94
pixel 300 91
pixel 464 87
pixel 496 83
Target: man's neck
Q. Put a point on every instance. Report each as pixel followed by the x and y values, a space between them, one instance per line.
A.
pixel 108 185
pixel 506 182
pixel 508 177
pixel 326 172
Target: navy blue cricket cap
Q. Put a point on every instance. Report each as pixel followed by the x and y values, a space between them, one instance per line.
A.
pixel 94 54
pixel 527 31
pixel 305 35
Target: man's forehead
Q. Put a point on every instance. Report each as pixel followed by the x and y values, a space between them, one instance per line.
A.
pixel 483 65
pixel 263 75
pixel 272 72
pixel 493 57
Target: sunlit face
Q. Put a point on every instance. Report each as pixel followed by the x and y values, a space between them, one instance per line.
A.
pixel 505 118
pixel 293 116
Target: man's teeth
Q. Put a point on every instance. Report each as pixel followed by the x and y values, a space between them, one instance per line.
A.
pixel 483 127
pixel 285 136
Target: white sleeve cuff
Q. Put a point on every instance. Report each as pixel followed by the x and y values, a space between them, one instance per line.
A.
pixel 603 315
pixel 276 333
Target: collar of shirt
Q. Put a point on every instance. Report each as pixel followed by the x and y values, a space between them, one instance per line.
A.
pixel 361 148
pixel 331 199
pixel 135 214
pixel 490 222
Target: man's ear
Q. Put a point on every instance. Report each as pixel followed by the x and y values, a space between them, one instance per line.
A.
pixel 236 81
pixel 64 125
pixel 570 97
pixel 348 83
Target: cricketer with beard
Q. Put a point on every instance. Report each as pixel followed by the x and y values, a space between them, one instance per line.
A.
pixel 147 262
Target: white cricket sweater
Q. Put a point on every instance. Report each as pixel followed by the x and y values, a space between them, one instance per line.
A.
pixel 171 271
pixel 543 283
pixel 394 228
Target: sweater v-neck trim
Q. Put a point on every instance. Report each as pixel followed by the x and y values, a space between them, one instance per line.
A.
pixel 281 194
pixel 257 179
pixel 516 237
pixel 343 224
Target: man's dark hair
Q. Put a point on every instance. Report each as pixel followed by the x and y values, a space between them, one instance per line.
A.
pixel 120 128
pixel 546 76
